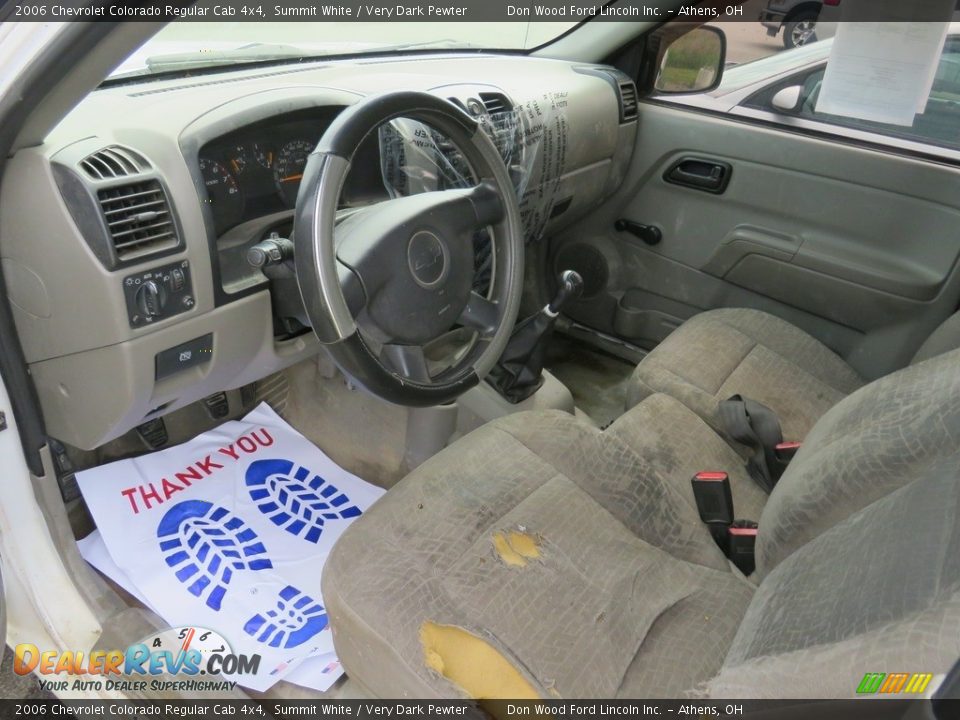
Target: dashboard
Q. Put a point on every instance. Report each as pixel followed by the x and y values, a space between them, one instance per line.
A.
pixel 125 233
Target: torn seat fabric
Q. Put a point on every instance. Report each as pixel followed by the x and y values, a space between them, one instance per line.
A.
pixel 626 594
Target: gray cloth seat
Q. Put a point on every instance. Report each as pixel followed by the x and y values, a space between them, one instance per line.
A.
pixel 731 351
pixel 541 551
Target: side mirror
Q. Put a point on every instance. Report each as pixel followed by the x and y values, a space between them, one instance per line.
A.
pixel 691 58
pixel 788 98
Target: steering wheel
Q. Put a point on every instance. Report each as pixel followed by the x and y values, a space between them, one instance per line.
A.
pixel 391 277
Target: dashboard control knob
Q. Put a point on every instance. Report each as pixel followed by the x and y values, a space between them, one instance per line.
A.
pixel 150 299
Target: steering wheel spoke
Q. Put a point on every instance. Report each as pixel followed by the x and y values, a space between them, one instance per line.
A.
pixel 353 291
pixel 480 314
pixel 487 206
pixel 408 360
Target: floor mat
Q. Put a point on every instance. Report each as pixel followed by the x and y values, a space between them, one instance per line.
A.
pixel 597 380
pixel 229 532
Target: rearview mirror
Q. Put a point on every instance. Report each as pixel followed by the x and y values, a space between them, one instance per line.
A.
pixel 691 58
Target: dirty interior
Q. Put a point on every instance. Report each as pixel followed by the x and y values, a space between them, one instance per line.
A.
pixel 805 302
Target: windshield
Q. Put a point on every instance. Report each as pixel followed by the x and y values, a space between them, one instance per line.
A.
pixel 185 45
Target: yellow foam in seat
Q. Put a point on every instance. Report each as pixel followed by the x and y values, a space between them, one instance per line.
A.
pixel 515 548
pixel 473 664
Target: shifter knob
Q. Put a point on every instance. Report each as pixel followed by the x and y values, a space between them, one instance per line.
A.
pixel 571 287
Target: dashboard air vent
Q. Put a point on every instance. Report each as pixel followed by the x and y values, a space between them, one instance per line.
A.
pixel 495 103
pixel 138 218
pixel 628 100
pixel 113 162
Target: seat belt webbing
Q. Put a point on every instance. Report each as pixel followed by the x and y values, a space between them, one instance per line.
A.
pixel 755 425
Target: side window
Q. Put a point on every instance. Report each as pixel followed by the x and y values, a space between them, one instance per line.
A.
pixel 938 124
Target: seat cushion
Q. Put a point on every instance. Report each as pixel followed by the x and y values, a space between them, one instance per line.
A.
pixel 555 552
pixel 731 351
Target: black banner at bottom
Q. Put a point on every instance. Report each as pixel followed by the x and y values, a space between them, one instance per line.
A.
pixel 501 709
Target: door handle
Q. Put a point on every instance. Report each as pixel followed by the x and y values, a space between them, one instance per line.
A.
pixel 711 176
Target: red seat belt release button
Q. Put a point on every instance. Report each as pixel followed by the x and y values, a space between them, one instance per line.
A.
pixel 786 450
pixel 742 540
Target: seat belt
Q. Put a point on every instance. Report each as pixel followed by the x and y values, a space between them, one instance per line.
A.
pixel 736 538
pixel 755 425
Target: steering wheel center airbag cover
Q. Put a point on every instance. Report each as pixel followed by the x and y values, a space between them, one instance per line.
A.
pixel 427 258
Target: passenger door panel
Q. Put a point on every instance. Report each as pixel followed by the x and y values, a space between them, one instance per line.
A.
pixel 857 246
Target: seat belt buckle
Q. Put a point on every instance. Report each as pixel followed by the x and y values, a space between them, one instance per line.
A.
pixel 711 490
pixel 785 451
pixel 741 542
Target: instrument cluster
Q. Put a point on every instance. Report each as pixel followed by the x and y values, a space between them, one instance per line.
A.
pixel 257 170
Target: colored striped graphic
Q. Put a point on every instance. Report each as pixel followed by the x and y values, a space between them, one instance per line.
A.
pixel 894 683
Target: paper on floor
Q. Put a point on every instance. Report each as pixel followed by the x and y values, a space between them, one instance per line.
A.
pixel 318 672
pixel 230 532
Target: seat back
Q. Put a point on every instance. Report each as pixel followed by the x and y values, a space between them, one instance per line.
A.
pixel 887 434
pixel 877 593
pixel 944 339
pixel 859 546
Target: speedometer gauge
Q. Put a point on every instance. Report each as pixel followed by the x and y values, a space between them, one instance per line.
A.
pixel 288 169
pixel 223 194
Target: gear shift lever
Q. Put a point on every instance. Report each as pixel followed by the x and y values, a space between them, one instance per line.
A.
pixel 571 287
pixel 518 374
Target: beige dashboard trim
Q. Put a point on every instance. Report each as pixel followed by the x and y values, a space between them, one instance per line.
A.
pixel 91 397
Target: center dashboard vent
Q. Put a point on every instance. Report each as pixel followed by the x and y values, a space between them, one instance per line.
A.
pixel 495 103
pixel 138 218
pixel 485 103
pixel 628 100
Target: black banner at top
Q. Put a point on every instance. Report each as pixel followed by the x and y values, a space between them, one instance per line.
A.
pixel 568 11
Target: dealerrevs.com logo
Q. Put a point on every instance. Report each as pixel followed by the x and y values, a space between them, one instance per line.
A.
pixel 189 654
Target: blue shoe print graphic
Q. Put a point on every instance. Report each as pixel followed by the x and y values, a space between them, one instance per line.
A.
pixel 205 544
pixel 296 499
pixel 295 619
